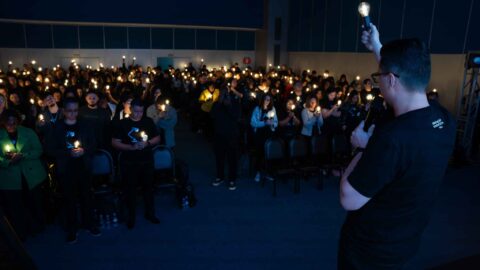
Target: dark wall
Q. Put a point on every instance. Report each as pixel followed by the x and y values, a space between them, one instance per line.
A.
pixel 244 13
pixel 334 25
pixel 120 37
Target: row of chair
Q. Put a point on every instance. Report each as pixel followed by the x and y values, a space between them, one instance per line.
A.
pixel 300 158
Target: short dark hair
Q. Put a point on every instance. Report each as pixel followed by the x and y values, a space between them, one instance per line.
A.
pixel 10 113
pixel 70 100
pixel 410 60
pixel 137 102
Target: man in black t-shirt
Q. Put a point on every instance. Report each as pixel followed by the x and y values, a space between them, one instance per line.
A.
pixel 389 189
pixel 134 137
pixel 72 144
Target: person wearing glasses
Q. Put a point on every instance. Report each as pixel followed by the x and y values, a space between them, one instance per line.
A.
pixel 390 185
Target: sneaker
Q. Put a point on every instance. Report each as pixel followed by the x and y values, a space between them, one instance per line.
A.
pixel 217 182
pixel 95 231
pixel 153 219
pixel 257 177
pixel 269 178
pixel 232 186
pixel 72 237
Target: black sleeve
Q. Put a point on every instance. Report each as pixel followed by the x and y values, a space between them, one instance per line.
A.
pixel 377 167
pixel 117 130
pixel 151 128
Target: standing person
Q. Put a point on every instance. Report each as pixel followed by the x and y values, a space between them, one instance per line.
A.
pixel 264 121
pixel 312 119
pixel 21 174
pixel 72 144
pixel 389 189
pixel 98 118
pixel 134 137
pixel 226 120
pixel 165 118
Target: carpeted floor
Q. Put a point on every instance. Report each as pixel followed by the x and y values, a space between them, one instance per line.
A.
pixel 249 229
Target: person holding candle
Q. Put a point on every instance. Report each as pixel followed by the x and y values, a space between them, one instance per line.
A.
pixel 289 121
pixel 22 174
pixel 71 143
pixel 311 118
pixel 165 118
pixel 49 114
pixel 135 137
pixel 207 98
pixel 390 185
pixel 226 115
pixel 263 121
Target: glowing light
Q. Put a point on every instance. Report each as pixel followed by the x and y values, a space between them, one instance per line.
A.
pixel 339 102
pixel 358 78
pixel 40 117
pixel 318 109
pixel 123 57
pixel 10 63
pixel 270 114
pixel 435 90
pixel 364 9
pixel 144 136
pixel 252 94
pixel 34 62
pixel 40 69
pixel 369 97
pixel 8 148
pixel 162 107
pixel 32 101
pixel 76 144
pixel 167 102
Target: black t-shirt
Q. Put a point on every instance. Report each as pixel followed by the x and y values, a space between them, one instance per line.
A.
pixel 401 171
pixel 131 132
pixel 71 135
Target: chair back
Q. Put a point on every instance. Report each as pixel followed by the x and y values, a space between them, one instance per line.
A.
pixel 163 159
pixel 274 149
pixel 102 163
pixel 298 148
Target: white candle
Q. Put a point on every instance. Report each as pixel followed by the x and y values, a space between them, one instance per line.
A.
pixel 292 107
pixel 167 102
pixel 253 94
pixel 76 144
pixel 8 148
pixel 32 101
pixel 144 136
pixel 162 107
pixel 339 102
pixel 40 117
pixel 358 78
pixel 369 97
pixel 270 114
pixel 318 109
pixel 298 98
pixel 435 90
pixel 10 62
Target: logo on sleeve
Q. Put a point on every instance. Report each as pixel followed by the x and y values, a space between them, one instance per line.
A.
pixel 438 124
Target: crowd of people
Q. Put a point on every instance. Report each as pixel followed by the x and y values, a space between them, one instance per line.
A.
pixel 58 117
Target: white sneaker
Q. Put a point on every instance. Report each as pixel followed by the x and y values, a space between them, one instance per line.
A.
pixel 257 177
pixel 269 178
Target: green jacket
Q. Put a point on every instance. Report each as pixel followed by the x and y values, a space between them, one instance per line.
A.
pixel 30 165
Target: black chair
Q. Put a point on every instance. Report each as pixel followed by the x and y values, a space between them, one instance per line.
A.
pixel 276 162
pixel 164 166
pixel 106 192
pixel 320 149
pixel 341 153
pixel 102 166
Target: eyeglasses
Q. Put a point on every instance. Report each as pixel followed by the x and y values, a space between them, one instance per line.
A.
pixel 378 74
